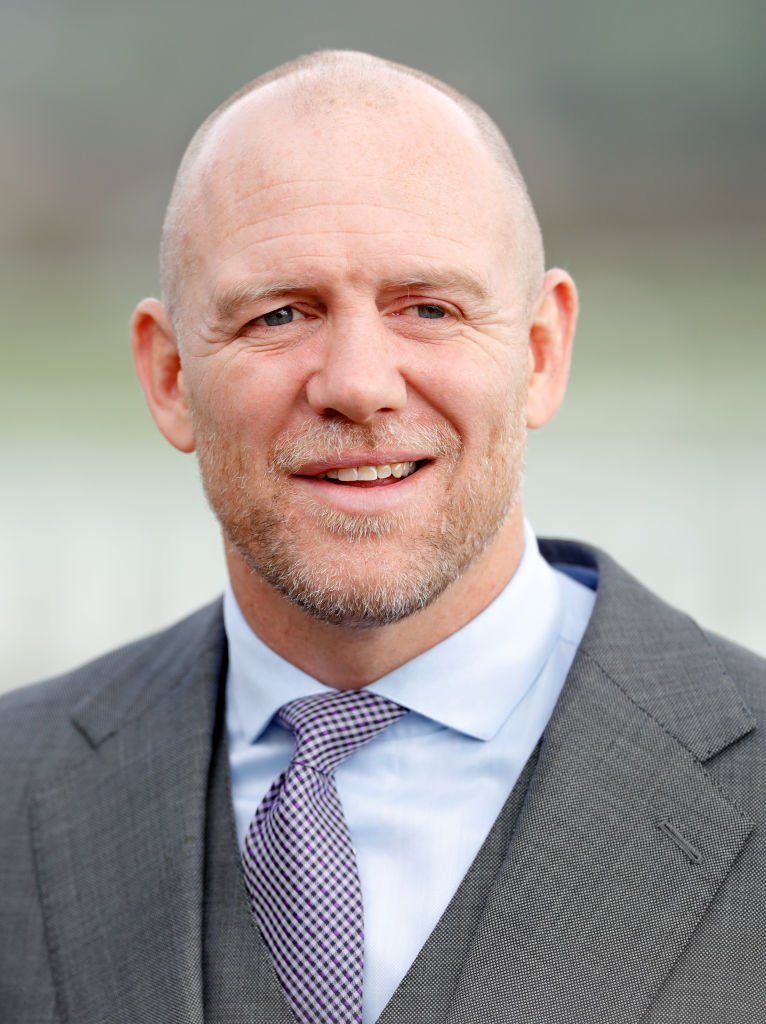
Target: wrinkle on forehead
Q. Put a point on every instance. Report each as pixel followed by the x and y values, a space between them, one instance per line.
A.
pixel 263 143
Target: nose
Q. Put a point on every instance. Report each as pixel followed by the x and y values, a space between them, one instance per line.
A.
pixel 358 375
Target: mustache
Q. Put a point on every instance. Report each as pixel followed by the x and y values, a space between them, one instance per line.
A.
pixel 317 442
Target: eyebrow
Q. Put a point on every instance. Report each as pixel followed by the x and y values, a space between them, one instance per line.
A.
pixel 229 302
pixel 449 280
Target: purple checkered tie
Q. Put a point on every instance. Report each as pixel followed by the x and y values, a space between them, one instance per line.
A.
pixel 300 867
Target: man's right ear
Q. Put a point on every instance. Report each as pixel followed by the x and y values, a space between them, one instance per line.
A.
pixel 158 364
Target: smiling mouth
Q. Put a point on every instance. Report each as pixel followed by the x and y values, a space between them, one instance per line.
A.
pixel 391 471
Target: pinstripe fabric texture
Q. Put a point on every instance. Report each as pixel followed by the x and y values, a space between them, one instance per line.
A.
pixel 299 863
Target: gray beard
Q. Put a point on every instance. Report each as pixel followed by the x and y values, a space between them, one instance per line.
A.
pixel 331 596
pixel 460 531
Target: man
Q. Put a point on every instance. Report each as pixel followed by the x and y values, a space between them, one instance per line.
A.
pixel 412 770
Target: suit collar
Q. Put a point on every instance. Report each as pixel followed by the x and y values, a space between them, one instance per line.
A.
pixel 132 679
pixel 118 836
pixel 657 656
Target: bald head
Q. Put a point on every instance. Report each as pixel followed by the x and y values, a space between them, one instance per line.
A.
pixel 326 87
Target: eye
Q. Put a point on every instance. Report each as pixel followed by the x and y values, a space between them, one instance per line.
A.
pixel 426 311
pixel 279 317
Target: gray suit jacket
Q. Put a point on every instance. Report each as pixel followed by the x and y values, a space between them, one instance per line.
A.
pixel 630 888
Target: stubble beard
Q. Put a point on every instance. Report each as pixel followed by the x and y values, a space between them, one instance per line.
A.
pixel 373 580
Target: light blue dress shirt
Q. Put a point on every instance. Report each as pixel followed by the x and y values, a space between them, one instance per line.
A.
pixel 420 799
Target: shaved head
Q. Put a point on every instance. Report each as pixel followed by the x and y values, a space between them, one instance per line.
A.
pixel 324 85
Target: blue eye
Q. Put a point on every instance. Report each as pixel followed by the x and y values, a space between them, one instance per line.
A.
pixel 424 311
pixel 278 317
pixel 428 312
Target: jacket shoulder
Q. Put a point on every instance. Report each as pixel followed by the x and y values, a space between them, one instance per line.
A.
pixel 706 690
pixel 37 719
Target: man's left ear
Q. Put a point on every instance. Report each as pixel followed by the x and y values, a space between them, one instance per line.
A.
pixel 551 333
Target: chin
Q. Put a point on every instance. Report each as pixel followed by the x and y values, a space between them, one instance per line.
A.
pixel 341 595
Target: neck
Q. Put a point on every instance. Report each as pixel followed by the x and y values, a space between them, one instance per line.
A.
pixel 348 657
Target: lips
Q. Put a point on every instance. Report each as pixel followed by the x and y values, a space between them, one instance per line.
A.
pixel 361 493
pixel 362 465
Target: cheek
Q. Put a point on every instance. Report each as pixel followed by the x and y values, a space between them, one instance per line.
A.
pixel 238 401
pixel 482 398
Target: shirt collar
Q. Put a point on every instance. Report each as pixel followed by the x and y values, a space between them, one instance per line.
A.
pixel 259 680
pixel 470 682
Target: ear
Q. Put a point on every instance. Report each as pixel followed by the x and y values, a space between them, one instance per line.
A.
pixel 158 364
pixel 551 333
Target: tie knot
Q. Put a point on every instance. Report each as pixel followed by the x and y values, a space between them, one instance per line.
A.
pixel 329 727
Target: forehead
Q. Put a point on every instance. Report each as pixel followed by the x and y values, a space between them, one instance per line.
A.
pixel 337 182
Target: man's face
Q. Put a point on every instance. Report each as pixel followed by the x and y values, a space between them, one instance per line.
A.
pixel 354 346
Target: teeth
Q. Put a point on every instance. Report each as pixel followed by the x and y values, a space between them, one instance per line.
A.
pixel 350 473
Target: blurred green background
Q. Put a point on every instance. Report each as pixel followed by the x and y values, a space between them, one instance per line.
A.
pixel 640 129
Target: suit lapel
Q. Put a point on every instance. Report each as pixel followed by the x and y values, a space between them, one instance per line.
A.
pixel 119 838
pixel 624 838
